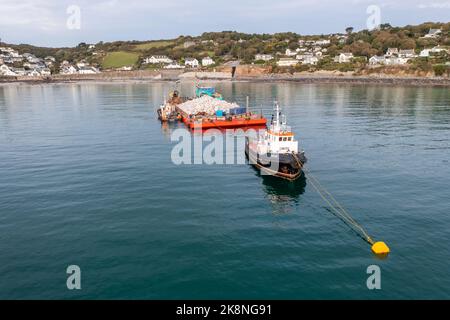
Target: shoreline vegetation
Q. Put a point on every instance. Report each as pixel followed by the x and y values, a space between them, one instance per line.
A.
pixel 169 76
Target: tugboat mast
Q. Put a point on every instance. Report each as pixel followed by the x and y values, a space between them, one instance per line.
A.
pixel 276 125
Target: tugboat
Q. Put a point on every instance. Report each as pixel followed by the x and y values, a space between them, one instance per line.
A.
pixel 276 151
pixel 167 112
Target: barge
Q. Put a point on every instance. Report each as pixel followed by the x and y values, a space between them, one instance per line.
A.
pixel 208 110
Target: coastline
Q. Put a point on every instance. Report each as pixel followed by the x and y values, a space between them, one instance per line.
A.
pixel 169 76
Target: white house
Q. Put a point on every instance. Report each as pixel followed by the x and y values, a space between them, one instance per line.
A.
pixel 87 70
pixel 425 53
pixel 33 73
pixel 342 39
pixel 310 60
pixel 68 69
pixel 392 52
pixel 377 60
pixel 287 62
pixel 408 53
pixel 395 61
pixel 191 62
pixel 31 58
pixel 6 71
pixel 207 61
pixel 157 60
pixel 291 53
pixel 174 66
pixel 433 33
pixel 19 71
pixel 263 57
pixel 322 42
pixel 344 57
pixel 303 56
pixel 46 72
pixel 438 49
pixel 81 64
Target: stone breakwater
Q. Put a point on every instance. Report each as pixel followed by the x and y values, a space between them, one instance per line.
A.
pixel 175 75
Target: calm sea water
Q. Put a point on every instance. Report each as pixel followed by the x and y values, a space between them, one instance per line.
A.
pixel 86 178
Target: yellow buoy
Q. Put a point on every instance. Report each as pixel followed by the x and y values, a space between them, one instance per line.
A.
pixel 380 248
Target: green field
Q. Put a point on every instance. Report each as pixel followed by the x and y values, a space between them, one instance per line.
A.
pixel 153 44
pixel 120 59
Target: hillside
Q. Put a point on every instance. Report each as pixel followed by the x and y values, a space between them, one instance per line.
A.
pixel 230 45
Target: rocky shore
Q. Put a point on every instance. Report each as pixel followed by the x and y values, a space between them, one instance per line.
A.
pixel 153 76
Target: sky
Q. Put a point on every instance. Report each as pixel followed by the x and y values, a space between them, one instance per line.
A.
pixel 58 23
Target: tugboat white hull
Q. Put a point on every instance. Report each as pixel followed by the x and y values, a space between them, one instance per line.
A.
pixel 276 151
pixel 286 165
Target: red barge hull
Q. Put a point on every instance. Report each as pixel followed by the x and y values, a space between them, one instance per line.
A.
pixel 224 124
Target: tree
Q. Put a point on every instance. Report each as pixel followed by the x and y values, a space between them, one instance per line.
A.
pixel 440 69
pixel 349 30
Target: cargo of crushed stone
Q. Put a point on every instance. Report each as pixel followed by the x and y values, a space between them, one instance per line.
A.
pixel 206 105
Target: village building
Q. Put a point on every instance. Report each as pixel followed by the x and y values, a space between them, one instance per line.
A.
pixel 391 52
pixel 191 62
pixel 439 49
pixel 287 62
pixel 425 53
pixel 264 57
pixel 324 42
pixel 87 70
pixel 67 68
pixel 395 61
pixel 377 60
pixel 433 33
pixel 344 57
pixel 408 53
pixel 6 71
pixel 312 60
pixel 291 53
pixel 45 72
pixel 19 71
pixel 157 60
pixel 174 66
pixel 207 61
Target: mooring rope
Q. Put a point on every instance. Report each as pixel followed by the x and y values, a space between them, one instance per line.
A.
pixel 335 206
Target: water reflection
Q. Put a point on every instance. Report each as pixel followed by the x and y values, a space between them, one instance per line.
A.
pixel 167 128
pixel 282 194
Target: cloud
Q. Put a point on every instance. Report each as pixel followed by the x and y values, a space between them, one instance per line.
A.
pixel 43 22
pixel 36 13
pixel 435 5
